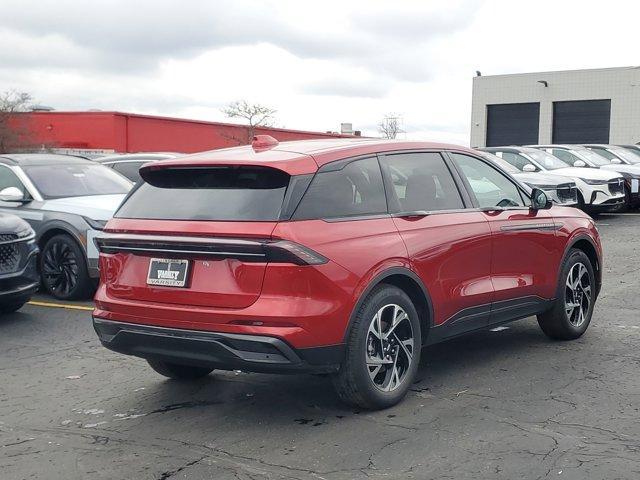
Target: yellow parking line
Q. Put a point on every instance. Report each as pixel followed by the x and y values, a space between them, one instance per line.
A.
pixel 60 305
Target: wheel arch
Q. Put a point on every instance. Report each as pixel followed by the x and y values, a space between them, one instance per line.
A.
pixel 58 228
pixel 407 281
pixel 586 244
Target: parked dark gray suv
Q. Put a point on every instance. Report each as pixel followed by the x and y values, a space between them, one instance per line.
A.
pixel 18 273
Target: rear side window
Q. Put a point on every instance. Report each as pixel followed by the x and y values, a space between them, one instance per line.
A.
pixel 221 193
pixel 420 181
pixel 355 190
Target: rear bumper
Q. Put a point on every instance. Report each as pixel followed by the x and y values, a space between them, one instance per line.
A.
pixel 223 351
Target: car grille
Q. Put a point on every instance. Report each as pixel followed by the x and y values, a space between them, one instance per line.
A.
pixel 8 237
pixel 616 186
pixel 567 193
pixel 9 258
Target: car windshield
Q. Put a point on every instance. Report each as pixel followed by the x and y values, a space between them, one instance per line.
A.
pixel 591 157
pixel 76 180
pixel 548 161
pixel 627 155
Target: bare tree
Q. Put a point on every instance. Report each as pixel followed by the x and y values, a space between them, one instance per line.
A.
pixel 390 126
pixel 13 133
pixel 255 115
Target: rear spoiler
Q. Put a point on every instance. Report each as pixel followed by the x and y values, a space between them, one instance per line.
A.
pixel 289 162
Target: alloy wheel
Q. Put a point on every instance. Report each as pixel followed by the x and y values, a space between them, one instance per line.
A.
pixel 60 268
pixel 390 347
pixel 578 294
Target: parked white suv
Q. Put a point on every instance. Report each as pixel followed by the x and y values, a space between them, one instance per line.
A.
pixel 598 190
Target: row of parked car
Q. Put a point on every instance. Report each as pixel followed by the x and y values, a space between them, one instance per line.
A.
pixel 593 177
pixel 64 202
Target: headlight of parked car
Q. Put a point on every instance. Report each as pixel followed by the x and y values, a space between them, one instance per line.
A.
pixel 26 233
pixel 95 224
pixel 593 182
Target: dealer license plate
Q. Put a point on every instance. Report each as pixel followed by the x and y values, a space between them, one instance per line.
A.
pixel 167 272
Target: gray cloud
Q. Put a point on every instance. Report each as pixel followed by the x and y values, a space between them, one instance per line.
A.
pixel 126 36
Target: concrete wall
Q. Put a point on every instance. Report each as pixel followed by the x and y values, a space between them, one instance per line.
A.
pixel 621 85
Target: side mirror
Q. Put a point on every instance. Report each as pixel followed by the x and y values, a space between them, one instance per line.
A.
pixel 579 163
pixel 12 194
pixel 617 161
pixel 529 168
pixel 539 200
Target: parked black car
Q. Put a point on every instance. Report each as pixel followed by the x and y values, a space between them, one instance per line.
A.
pixel 18 273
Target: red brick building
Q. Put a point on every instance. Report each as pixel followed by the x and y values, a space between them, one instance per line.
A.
pixel 128 132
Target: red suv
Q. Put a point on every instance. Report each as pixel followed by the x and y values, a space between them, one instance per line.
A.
pixel 335 256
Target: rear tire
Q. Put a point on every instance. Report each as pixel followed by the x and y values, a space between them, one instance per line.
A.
pixel 571 313
pixel 381 359
pixel 179 372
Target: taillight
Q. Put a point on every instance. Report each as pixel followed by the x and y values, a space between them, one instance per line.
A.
pixel 284 251
pixel 247 250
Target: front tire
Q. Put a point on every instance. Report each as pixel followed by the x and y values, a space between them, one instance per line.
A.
pixel 179 372
pixel 383 351
pixel 571 314
pixel 64 270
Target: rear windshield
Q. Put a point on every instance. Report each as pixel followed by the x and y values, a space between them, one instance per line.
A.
pixel 219 193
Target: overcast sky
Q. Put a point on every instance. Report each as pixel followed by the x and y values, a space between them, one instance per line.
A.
pixel 318 63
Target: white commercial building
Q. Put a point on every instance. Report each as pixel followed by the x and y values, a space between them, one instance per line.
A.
pixel 573 106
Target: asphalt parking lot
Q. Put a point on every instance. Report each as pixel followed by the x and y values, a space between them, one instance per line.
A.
pixel 499 404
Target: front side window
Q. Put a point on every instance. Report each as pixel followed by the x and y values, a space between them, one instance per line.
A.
pixel 517 160
pixel 355 190
pixel 548 161
pixel 564 155
pixel 628 155
pixel 604 153
pixel 490 187
pixel 420 181
pixel 76 180
pixel 591 157
pixel 503 164
pixel 9 179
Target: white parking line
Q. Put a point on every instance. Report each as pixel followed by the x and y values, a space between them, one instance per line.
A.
pixel 627 214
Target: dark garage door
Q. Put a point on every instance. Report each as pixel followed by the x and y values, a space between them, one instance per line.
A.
pixel 584 121
pixel 512 124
